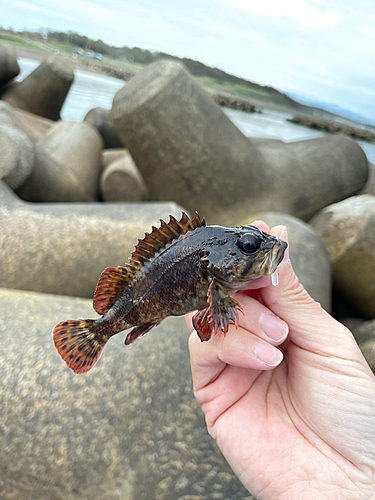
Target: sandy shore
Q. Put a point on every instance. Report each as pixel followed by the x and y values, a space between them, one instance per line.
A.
pixel 31 53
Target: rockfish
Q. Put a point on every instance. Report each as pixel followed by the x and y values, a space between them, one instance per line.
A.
pixel 179 267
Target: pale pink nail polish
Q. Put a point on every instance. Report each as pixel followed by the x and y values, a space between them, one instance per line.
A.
pixel 274 327
pixel 268 354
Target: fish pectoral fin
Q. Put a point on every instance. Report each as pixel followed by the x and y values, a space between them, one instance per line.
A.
pixel 110 286
pixel 217 316
pixel 141 330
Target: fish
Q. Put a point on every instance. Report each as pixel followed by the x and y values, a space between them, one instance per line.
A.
pixel 180 267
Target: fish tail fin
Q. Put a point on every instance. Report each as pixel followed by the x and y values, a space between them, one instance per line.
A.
pixel 79 343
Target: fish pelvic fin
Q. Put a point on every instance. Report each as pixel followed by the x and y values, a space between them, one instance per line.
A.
pixel 79 343
pixel 141 330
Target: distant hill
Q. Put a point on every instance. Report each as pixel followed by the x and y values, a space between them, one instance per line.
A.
pixel 332 108
pixel 206 75
pixel 210 78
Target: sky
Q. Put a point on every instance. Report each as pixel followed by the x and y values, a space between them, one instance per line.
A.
pixel 318 49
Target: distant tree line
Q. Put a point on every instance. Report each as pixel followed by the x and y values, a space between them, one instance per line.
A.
pixel 135 54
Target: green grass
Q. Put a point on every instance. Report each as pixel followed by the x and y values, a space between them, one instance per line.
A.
pixel 251 92
pixel 237 89
pixel 19 43
pixel 123 64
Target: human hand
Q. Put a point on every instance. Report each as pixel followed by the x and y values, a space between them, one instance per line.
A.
pixel 301 427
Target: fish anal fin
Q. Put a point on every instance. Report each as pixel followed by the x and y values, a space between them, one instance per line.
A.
pixel 153 242
pixel 110 286
pixel 220 312
pixel 141 330
pixel 79 343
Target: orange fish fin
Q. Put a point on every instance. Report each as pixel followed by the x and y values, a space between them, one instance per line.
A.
pixel 153 242
pixel 79 343
pixel 110 286
pixel 221 311
pixel 203 324
pixel 141 330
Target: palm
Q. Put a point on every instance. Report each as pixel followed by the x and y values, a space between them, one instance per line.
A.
pixel 271 431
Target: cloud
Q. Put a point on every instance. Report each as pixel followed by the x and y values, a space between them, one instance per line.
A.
pixel 34 8
pixel 299 10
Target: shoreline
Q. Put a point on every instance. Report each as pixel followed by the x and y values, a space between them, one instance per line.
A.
pixel 77 62
pixel 315 118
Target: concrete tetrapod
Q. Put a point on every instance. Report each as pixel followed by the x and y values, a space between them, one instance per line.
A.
pixel 50 181
pixel 9 67
pixel 34 126
pixel 67 166
pixel 307 252
pixel 130 429
pixel 348 231
pixel 309 175
pixel 364 333
pixel 43 92
pixel 188 150
pixel 63 248
pixel 17 155
pixel 183 144
pixel 370 185
pixel 111 155
pixel 100 118
pixel 121 181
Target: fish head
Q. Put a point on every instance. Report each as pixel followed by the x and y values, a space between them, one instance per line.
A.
pixel 247 254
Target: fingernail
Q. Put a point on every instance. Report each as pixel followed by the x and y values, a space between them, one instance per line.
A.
pixel 283 232
pixel 274 327
pixel 268 354
pixel 283 236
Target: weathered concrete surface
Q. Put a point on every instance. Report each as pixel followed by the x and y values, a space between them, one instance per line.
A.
pixel 111 155
pixel 182 143
pixel 77 148
pixel 309 175
pixel 100 118
pixel 67 165
pixel 121 181
pixel 50 181
pixel 9 67
pixel 63 248
pixel 130 429
pixel 35 127
pixel 370 185
pixel 348 231
pixel 364 333
pixel 307 252
pixel 43 92
pixel 17 155
pixel 189 151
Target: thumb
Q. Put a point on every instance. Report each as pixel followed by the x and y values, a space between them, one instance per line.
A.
pixel 310 326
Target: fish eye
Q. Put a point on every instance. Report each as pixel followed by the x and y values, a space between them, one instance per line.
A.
pixel 249 243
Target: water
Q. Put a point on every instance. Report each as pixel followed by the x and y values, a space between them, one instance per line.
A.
pixel 90 90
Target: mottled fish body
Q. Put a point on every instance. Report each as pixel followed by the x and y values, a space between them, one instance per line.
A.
pixel 178 268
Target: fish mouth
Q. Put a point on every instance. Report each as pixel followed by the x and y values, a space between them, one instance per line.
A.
pixel 274 258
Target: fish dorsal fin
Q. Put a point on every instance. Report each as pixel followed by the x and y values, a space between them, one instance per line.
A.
pixel 113 280
pixel 160 237
pixel 110 286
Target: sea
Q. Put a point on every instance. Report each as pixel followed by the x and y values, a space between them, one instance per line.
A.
pixel 90 90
